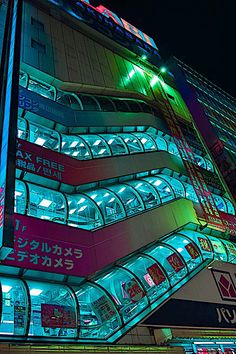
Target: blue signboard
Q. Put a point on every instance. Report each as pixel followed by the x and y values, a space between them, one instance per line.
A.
pixel 9 73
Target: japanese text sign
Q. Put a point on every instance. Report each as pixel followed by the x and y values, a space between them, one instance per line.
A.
pixel 55 316
pixel 156 274
pixel 175 262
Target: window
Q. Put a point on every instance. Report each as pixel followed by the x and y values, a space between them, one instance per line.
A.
pixel 37 24
pixel 38 46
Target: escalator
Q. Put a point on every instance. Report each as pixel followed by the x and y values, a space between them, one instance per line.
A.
pixel 107 305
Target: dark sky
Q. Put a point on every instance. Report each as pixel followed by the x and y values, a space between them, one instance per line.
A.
pixel 199 32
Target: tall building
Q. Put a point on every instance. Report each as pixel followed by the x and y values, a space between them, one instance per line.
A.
pixel 113 212
pixel 214 112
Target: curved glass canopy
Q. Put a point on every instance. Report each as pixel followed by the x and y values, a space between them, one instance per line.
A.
pixel 103 206
pixel 90 146
pixel 103 307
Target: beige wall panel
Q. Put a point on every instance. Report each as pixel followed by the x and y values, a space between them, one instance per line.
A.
pixel 84 64
pixel 105 67
pixel 95 65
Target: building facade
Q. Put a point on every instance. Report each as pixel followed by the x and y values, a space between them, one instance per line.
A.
pixel 111 201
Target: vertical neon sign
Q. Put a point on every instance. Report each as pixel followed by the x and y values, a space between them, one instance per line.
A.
pixel 9 74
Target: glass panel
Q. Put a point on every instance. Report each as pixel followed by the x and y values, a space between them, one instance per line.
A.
pixel 164 190
pixel 14 307
pixel 170 261
pixel 121 105
pixel 43 89
pixel 202 242
pixel 172 149
pixel 97 145
pixel 21 128
pixel 43 136
pixel 145 107
pixel 126 292
pixel 200 161
pixel 89 104
pixel 132 142
pixel 53 310
pixel 130 199
pixel 230 207
pixel 209 165
pixel 187 249
pixel 109 204
pixel 98 314
pixel 150 275
pixel 116 144
pixel 176 185
pixel 190 193
pixel 105 104
pixel 74 146
pixel 146 141
pixel 133 106
pixel 20 197
pixel 220 203
pixel 69 100
pixel 46 204
pixel 231 248
pixel 219 249
pixel 148 193
pixel 23 79
pixel 83 212
pixel 160 142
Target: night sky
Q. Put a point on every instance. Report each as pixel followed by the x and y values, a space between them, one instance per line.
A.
pixel 201 33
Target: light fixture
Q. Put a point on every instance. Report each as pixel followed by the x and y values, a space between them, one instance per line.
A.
pixel 158 182
pixel 73 144
pixel 122 190
pixel 110 141
pixel 81 200
pixel 18 194
pixel 35 292
pixel 163 70
pixel 143 140
pixel 82 208
pixel 97 142
pixel 40 141
pixel 75 153
pixel 179 249
pixel 72 211
pixel 45 203
pixel 203 343
pixel 81 144
pixel 20 132
pixel 6 288
pixel 101 151
pixel 94 196
pixel 154 80
pixel 144 57
pixel 111 200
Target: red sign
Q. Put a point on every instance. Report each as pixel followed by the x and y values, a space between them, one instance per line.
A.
pixel 40 253
pixel 192 250
pixel 55 316
pixel 204 244
pixel 156 274
pixel 230 222
pixel 119 21
pixel 27 159
pixel 134 291
pixel 175 262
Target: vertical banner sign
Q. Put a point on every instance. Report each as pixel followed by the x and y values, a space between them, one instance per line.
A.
pixel 204 196
pixel 9 79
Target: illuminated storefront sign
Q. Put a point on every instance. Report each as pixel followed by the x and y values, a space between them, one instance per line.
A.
pixel 121 22
pixel 107 22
